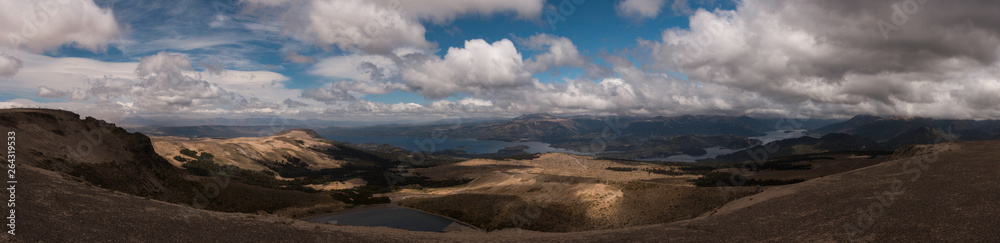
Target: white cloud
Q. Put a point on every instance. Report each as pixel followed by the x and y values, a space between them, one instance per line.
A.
pixel 357 25
pixel 161 83
pixel 477 67
pixel 9 66
pixel 799 53
pixel 46 92
pixel 378 27
pixel 640 9
pixel 560 52
pixel 49 24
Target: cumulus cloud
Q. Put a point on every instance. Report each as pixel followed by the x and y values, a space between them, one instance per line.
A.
pixel 640 9
pixel 47 92
pixel 378 27
pixel 479 66
pixel 560 52
pixel 162 86
pixel 44 25
pixel 848 56
pixel 9 66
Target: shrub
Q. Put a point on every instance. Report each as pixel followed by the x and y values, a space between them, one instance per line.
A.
pixel 207 156
pixel 662 171
pixel 202 167
pixel 621 168
pixel 189 153
pixel 724 179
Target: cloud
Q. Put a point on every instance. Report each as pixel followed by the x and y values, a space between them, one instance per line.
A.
pixel 328 95
pixel 74 93
pixel 839 55
pixel 560 52
pixel 162 86
pixel 44 25
pixel 371 87
pixel 640 9
pixel 377 107
pixel 357 67
pixel 296 58
pixel 476 67
pixel 356 25
pixel 46 92
pixel 377 27
pixel 9 66
pixel 442 11
pixel 213 68
pixel 292 104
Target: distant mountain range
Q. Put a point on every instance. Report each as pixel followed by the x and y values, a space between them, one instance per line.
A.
pixel 873 133
pixel 555 130
pixel 887 128
pixel 632 137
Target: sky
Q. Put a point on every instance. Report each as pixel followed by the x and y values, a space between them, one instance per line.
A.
pixel 401 60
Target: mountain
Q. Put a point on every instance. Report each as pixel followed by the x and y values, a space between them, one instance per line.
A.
pixel 693 145
pixel 954 193
pixel 302 149
pixel 848 125
pixel 799 146
pixel 920 135
pixel 105 156
pixel 94 151
pixel 884 129
pixel 207 131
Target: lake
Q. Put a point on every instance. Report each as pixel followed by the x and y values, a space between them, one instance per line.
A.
pixel 391 216
pixel 716 151
pixel 468 145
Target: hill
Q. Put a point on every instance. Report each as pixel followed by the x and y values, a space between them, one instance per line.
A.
pixel 876 203
pixel 103 155
pixel 800 146
pixel 884 129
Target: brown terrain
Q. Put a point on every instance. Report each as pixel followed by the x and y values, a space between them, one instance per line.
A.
pixel 247 152
pixel 121 192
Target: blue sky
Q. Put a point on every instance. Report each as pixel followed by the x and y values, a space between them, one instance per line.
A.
pixel 594 26
pixel 422 60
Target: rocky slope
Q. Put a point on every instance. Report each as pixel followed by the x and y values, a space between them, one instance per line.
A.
pixel 103 155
